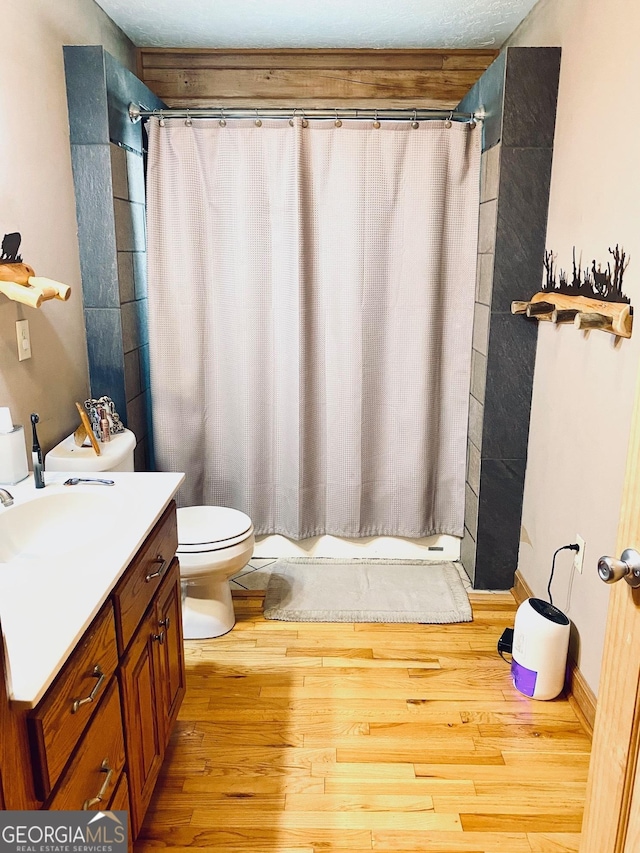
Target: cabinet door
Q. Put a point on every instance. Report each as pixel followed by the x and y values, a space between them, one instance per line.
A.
pixel 144 737
pixel 170 652
pixel 120 802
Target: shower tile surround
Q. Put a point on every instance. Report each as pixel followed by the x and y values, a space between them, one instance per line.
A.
pixel 518 92
pixel 108 171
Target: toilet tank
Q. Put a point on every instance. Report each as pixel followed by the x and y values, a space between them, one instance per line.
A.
pixel 115 455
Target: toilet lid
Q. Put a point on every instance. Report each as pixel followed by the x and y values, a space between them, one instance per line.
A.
pixel 208 528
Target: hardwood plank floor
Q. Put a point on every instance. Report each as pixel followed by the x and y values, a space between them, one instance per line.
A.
pixel 305 737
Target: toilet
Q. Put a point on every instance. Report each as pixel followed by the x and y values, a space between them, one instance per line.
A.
pixel 214 542
pixel 115 455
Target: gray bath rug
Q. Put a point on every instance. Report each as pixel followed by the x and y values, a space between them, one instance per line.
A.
pixel 305 589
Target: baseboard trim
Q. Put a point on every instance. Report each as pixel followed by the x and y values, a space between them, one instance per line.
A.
pixel 521 589
pixel 584 700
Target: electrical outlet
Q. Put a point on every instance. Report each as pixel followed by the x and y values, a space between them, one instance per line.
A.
pixel 24 339
pixel 578 556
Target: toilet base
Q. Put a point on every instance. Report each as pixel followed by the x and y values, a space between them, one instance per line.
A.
pixel 207 608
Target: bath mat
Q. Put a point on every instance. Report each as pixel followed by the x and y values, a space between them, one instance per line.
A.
pixel 305 589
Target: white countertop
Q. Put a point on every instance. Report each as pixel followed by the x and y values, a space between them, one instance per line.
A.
pixel 46 604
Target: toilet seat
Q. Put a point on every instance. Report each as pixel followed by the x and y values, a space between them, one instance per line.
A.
pixel 202 529
pixel 207 547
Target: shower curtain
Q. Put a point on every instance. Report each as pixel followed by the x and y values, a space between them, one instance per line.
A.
pixel 311 293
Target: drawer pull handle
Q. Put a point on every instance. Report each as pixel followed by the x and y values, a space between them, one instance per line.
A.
pixel 165 623
pixel 104 768
pixel 158 638
pixel 97 673
pixel 159 572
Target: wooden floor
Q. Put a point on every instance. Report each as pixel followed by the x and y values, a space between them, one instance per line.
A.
pixel 302 737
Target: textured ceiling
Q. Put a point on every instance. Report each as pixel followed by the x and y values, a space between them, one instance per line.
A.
pixel 317 23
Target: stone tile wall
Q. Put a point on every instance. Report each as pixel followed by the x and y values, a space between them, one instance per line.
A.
pixel 518 93
pixel 489 176
pixel 108 169
pixel 127 170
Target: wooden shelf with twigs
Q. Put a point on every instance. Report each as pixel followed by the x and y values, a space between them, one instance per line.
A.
pixel 585 313
pixel 19 282
pixel 592 299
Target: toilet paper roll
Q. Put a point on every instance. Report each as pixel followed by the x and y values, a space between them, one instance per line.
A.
pixel 13 457
pixel 6 424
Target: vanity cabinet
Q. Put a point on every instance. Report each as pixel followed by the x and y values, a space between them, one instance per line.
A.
pixel 99 734
pixel 153 685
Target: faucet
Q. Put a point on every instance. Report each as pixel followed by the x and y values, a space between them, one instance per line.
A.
pixel 6 499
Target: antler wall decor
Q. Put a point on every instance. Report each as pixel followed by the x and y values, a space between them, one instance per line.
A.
pixel 593 299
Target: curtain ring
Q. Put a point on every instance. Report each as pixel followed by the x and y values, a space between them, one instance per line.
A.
pixel 376 123
pixel 305 123
pixel 449 121
pixel 338 123
pixel 223 121
pixel 258 121
pixel 472 121
pixel 161 119
pixel 292 120
pixel 415 124
pixel 188 121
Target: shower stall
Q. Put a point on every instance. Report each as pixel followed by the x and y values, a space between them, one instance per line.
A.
pixel 311 289
pixel 518 94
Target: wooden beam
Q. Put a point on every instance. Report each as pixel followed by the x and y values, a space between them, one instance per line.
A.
pixel 359 59
pixel 342 78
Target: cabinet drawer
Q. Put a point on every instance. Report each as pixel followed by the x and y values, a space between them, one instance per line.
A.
pixel 141 580
pixel 92 776
pixel 59 720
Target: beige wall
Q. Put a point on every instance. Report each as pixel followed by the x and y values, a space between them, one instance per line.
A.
pixel 36 189
pixel 584 383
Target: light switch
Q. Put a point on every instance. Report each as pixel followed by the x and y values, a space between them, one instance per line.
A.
pixel 24 339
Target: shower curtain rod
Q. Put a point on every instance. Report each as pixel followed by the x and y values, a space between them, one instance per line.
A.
pixel 138 111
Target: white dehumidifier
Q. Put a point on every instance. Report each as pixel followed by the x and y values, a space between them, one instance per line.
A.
pixel 540 645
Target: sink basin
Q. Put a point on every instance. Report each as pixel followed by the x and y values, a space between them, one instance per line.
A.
pixel 54 524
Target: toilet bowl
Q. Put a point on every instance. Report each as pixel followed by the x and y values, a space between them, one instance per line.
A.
pixel 214 543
